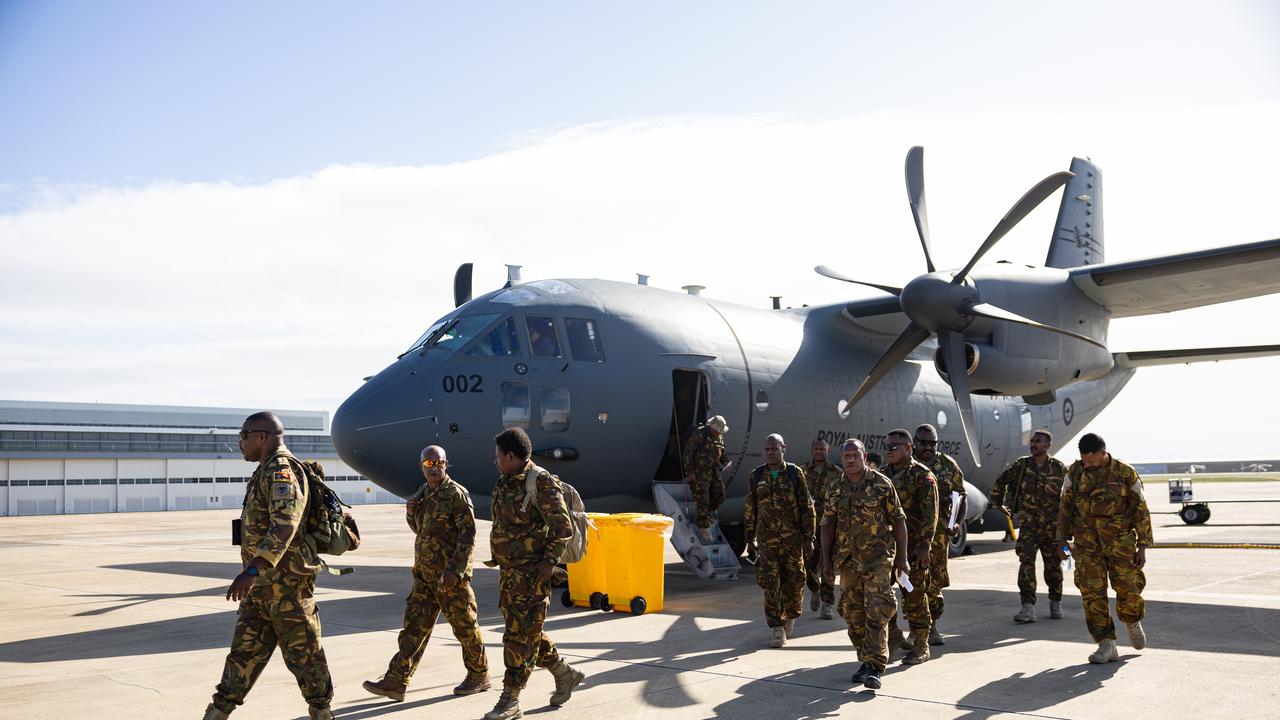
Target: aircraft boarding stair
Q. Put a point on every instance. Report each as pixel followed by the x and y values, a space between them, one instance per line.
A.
pixel 715 561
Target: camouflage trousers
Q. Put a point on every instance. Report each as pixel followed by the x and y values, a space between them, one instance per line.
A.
pixel 1032 541
pixel 915 604
pixel 1096 563
pixel 279 614
pixel 425 603
pixel 708 496
pixel 866 604
pixel 939 554
pixel 524 601
pixel 780 573
pixel 824 588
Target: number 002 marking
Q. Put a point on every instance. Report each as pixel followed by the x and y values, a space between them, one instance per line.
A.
pixel 462 383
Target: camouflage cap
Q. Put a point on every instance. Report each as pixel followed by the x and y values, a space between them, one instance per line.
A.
pixel 719 424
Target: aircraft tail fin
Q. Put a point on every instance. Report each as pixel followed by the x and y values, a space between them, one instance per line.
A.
pixel 1077 236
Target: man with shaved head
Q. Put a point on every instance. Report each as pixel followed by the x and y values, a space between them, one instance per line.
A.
pixel 442 517
pixel 779 519
pixel 276 589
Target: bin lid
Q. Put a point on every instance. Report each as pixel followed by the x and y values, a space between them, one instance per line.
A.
pixel 648 520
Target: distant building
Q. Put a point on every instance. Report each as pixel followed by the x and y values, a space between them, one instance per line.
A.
pixel 88 457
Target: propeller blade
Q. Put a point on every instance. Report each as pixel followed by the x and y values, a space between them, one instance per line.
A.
pixel 462 285
pixel 957 373
pixel 987 310
pixel 1020 210
pixel 915 196
pixel 828 272
pixel 901 347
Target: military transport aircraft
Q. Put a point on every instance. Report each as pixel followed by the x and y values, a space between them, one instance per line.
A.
pixel 609 377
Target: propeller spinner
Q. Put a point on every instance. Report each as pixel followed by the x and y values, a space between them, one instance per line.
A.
pixel 942 303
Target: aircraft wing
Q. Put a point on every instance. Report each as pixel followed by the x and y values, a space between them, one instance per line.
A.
pixel 1187 280
pixel 1151 358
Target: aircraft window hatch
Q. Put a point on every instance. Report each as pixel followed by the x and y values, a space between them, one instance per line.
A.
pixel 553 403
pixel 514 295
pixel 502 341
pixel 542 336
pixel 515 405
pixel 584 340
pixel 553 287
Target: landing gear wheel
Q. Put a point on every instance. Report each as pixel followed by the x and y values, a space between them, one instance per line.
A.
pixel 956 542
pixel 1197 514
pixel 737 538
pixel 638 605
pixel 565 599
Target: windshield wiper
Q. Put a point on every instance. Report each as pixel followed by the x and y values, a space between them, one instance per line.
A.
pixel 431 338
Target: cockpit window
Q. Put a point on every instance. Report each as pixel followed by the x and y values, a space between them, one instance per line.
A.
pixel 542 336
pixel 584 340
pixel 514 295
pixel 452 333
pixel 553 287
pixel 501 342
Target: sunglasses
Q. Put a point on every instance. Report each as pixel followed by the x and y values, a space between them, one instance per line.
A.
pixel 894 446
pixel 428 464
pixel 927 443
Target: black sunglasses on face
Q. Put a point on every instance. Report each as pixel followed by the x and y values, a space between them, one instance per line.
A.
pixel 927 443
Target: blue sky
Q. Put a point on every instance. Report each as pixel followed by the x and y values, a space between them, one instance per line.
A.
pixel 130 92
pixel 152 155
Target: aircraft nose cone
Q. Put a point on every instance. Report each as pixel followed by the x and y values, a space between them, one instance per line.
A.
pixel 381 428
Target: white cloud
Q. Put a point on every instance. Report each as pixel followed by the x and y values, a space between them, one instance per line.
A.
pixel 287 293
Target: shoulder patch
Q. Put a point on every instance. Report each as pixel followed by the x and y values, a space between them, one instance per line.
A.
pixel 282 473
pixel 283 490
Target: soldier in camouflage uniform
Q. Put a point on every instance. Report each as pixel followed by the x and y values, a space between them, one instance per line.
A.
pixel 950 480
pixel 441 516
pixel 918 493
pixel 864 538
pixel 1104 510
pixel 1030 490
pixel 820 473
pixel 703 461
pixel 527 540
pixel 779 520
pixel 276 590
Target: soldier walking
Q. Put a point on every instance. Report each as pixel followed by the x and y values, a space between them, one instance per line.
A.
pixel 918 494
pixel 779 520
pixel 1029 492
pixel 950 479
pixel 819 473
pixel 527 540
pixel 1104 510
pixel 444 523
pixel 276 590
pixel 703 462
pixel 864 538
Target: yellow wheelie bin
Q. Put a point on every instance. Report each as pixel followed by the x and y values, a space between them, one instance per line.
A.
pixel 587 576
pixel 634 545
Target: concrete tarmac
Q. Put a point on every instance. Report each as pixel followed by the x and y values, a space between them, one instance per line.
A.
pixel 123 616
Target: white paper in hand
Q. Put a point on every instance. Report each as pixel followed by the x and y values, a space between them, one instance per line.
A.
pixel 905 582
pixel 955 508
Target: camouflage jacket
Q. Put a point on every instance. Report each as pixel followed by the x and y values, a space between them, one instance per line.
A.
pixel 704 455
pixel 862 514
pixel 779 509
pixel 273 517
pixel 1032 492
pixel 918 494
pixel 523 536
pixel 1107 500
pixel 950 479
pixel 445 524
pixel 819 478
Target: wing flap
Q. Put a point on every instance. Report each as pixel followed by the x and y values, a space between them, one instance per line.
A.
pixel 1187 280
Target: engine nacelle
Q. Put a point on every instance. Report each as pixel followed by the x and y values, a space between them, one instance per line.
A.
pixel 994 372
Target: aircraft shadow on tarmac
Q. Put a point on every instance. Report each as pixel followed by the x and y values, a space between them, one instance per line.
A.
pixel 977 620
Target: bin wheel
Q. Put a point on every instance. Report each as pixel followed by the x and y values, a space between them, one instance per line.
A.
pixel 638 605
pixel 1197 514
pixel 566 599
pixel 604 604
pixel 596 601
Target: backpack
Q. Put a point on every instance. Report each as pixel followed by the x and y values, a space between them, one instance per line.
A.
pixel 576 549
pixel 326 528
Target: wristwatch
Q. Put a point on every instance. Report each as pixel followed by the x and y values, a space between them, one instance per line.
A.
pixel 252 571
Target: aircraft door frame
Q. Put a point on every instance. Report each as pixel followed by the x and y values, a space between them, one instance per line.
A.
pixel 687 412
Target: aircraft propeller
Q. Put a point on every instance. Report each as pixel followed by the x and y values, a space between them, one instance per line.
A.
pixel 943 303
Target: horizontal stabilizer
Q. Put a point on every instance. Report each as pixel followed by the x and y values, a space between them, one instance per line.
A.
pixel 1187 280
pixel 1150 358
